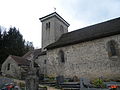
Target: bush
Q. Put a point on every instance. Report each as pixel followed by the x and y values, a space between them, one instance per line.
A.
pixel 22 84
pixel 98 83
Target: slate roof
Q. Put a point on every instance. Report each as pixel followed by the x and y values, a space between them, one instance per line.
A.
pixel 100 30
pixel 21 61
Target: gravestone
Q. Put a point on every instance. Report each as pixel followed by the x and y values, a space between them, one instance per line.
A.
pixel 85 83
pixel 60 79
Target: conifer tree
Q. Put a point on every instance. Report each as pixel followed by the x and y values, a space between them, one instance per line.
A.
pixel 12 43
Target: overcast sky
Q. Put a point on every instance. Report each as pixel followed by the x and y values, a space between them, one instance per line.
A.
pixel 25 14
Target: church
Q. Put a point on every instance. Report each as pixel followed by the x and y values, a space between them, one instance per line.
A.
pixel 90 52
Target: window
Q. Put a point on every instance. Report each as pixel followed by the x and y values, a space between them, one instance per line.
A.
pixel 8 68
pixel 61 56
pixel 45 61
pixel 112 48
pixel 47 25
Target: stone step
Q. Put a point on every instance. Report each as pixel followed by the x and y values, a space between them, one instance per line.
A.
pixel 70 86
pixel 70 89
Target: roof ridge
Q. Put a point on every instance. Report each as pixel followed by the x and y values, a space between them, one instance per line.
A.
pixel 92 25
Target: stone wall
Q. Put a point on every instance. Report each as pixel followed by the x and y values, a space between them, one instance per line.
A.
pixel 53 33
pixel 47 34
pixel 14 71
pixel 57 27
pixel 42 62
pixel 88 59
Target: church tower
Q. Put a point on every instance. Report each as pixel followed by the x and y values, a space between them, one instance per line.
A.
pixel 53 26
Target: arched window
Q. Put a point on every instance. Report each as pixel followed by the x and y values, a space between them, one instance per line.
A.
pixel 61 56
pixel 47 25
pixel 112 48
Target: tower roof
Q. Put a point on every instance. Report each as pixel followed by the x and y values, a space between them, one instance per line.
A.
pixel 54 14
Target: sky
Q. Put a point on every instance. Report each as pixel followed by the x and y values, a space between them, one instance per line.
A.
pixel 25 14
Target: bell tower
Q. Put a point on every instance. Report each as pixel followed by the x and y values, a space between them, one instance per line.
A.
pixel 53 26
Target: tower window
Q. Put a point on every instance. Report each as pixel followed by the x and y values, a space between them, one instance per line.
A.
pixel 112 48
pixel 47 25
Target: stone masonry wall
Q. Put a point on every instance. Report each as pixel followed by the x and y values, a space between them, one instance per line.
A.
pixel 42 62
pixel 14 70
pixel 88 59
pixel 53 33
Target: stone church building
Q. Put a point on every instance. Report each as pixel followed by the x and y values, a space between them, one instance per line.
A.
pixel 90 52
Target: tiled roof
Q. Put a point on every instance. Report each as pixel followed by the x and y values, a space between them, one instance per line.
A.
pixel 27 54
pixel 35 52
pixel 104 29
pixel 21 61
